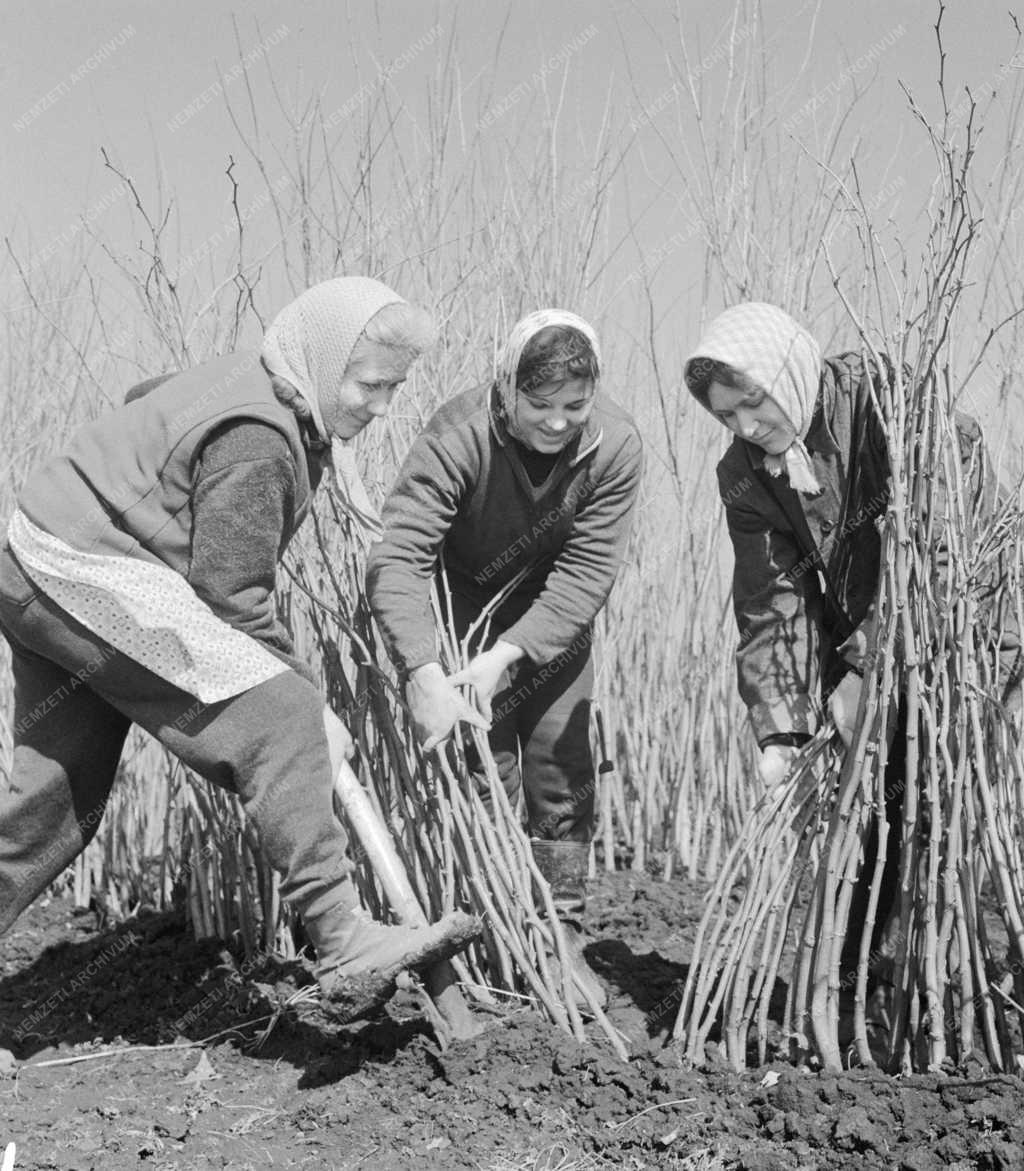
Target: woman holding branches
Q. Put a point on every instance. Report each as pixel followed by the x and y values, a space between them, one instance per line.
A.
pixel 137 586
pixel 806 484
pixel 525 485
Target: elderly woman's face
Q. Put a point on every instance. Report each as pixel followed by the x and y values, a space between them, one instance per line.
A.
pixel 752 415
pixel 371 381
pixel 550 416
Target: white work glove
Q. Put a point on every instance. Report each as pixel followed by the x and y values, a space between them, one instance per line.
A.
pixel 486 673
pixel 339 743
pixel 843 705
pixel 436 705
pixel 776 761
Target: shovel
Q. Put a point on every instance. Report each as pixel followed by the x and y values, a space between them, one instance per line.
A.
pixel 452 1015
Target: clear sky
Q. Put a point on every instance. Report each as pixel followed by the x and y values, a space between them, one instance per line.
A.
pixel 118 73
pixel 149 83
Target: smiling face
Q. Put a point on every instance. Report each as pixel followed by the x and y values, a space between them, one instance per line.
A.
pixel 752 415
pixel 549 416
pixel 371 380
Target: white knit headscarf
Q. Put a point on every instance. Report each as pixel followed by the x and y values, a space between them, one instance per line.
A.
pixel 310 343
pixel 507 365
pixel 766 344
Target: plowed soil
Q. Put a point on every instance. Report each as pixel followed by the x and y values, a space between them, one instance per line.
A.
pixel 134 999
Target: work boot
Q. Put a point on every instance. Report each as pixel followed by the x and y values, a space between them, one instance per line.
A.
pixel 359 959
pixel 564 867
pixel 877 1021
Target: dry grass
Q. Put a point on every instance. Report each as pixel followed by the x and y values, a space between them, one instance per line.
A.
pixel 420 205
pixel 480 263
pixel 570 1157
pixel 950 593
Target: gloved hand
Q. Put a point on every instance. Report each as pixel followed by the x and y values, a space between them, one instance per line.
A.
pixel 339 743
pixel 437 705
pixel 843 705
pixel 776 761
pixel 486 673
pixel 857 649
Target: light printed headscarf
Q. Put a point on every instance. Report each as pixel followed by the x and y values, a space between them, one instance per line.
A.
pixel 766 344
pixel 310 343
pixel 507 365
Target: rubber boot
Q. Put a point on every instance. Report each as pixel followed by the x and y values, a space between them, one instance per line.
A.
pixel 564 867
pixel 359 959
pixel 878 1003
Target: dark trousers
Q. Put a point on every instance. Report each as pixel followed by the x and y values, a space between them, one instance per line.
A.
pixel 75 698
pixel 543 716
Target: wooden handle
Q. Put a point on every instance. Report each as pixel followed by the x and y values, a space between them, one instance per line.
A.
pixel 380 850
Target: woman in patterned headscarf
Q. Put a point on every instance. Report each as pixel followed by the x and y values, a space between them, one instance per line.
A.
pixel 137 586
pixel 528 481
pixel 804 482
pixel 808 450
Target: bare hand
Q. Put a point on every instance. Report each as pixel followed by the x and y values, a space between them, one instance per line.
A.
pixel 437 706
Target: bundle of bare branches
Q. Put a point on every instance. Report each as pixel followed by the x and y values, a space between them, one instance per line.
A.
pixel 458 849
pixel 920 880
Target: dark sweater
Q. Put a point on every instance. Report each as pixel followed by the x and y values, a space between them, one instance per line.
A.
pixel 244 494
pixel 464 495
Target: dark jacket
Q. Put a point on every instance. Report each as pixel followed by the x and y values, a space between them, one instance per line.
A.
pixel 464 495
pixel 807 569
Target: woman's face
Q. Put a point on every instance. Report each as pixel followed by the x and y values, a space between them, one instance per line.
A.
pixel 752 415
pixel 371 380
pixel 551 415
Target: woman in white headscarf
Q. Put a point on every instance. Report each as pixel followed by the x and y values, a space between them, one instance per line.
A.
pixel 805 482
pixel 527 482
pixel 137 586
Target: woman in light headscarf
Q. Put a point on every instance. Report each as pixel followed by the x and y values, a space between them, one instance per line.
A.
pixel 805 483
pixel 809 449
pixel 137 586
pixel 535 473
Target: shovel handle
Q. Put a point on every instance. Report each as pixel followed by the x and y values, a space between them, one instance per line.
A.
pixel 380 849
pixel 442 982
